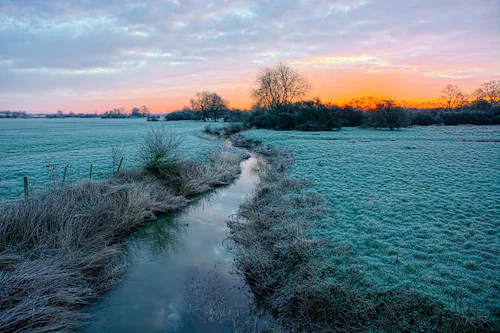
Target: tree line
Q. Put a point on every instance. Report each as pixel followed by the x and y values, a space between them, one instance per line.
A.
pixel 121 112
pixel 279 93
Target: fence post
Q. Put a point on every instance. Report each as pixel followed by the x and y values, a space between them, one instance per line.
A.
pixel 90 178
pixel 25 188
pixel 65 171
pixel 120 165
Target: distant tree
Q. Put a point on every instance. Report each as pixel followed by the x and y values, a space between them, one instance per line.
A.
pixel 478 94
pixel 136 112
pixel 209 104
pixel 313 115
pixel 364 102
pixel 145 111
pixel 388 115
pixel 492 92
pixel 453 97
pixel 279 86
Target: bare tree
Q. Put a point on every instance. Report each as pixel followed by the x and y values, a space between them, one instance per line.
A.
pixel 278 86
pixel 491 91
pixel 453 97
pixel 365 102
pixel 145 111
pixel 209 104
pixel 135 112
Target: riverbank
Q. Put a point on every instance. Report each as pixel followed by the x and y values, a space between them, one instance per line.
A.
pixel 61 249
pixel 179 277
pixel 318 268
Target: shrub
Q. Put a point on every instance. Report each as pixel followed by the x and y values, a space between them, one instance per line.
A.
pixel 159 150
pixel 425 117
pixel 179 115
pixel 287 121
pixel 351 117
pixel 389 116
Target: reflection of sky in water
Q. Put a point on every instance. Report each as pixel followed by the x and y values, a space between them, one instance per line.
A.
pixel 178 279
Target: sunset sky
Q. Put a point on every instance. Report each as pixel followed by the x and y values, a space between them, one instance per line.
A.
pixel 93 55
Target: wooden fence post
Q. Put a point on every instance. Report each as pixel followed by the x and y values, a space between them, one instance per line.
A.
pixel 25 188
pixel 120 165
pixel 65 171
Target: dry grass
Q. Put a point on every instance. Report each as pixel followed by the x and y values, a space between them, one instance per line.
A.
pixel 292 274
pixel 194 176
pixel 61 249
pixel 58 250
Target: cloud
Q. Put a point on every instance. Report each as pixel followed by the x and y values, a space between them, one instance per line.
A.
pixel 177 47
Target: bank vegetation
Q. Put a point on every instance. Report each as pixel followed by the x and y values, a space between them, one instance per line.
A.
pixel 61 249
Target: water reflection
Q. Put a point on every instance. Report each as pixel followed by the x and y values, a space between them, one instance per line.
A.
pixel 179 279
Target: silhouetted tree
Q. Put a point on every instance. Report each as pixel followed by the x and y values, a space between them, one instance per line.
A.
pixel 389 115
pixel 491 91
pixel 453 97
pixel 209 104
pixel 136 112
pixel 145 111
pixel 279 86
pixel 364 102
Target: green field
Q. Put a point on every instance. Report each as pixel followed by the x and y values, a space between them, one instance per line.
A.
pixel 417 208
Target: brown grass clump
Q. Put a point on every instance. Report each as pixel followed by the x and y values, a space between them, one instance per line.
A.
pixel 311 285
pixel 61 249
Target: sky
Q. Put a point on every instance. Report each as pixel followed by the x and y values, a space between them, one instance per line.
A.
pixel 94 55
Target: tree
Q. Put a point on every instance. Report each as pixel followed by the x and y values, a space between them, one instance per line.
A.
pixel 365 102
pixel 209 104
pixel 453 97
pixel 135 112
pixel 389 115
pixel 491 91
pixel 145 111
pixel 279 86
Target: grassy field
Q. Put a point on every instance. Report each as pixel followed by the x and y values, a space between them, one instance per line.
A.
pixel 62 248
pixel 28 146
pixel 416 209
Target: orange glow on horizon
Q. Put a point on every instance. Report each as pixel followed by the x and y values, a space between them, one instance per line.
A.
pixel 332 85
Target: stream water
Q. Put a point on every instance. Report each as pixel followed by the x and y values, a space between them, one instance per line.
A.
pixel 179 276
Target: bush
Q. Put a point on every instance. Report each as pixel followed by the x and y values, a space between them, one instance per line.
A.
pixel 233 129
pixel 179 115
pixel 387 115
pixel 159 150
pixel 425 117
pixel 310 115
pixel 469 117
pixel 351 117
pixel 287 121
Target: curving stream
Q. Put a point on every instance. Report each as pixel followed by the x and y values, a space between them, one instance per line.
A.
pixel 179 277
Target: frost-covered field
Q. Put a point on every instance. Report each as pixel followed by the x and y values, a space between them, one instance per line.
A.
pixel 417 208
pixel 28 146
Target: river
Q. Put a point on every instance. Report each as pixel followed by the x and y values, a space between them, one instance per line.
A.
pixel 178 276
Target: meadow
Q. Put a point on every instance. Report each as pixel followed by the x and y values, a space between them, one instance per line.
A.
pixel 62 247
pixel 416 209
pixel 41 148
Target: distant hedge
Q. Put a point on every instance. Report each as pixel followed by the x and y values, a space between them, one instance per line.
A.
pixel 316 116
